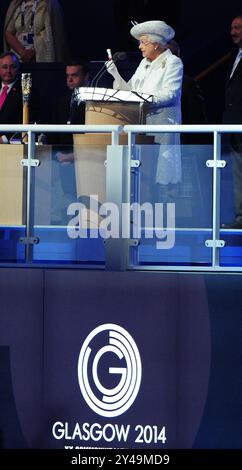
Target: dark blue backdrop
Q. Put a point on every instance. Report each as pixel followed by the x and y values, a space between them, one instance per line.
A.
pixel 188 329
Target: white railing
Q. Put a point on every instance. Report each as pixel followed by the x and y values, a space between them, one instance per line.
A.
pixel 216 164
pixel 131 130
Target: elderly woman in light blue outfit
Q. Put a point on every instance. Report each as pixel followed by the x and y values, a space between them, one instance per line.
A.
pixel 159 74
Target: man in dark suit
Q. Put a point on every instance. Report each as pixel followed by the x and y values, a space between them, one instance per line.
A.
pixel 233 115
pixel 11 108
pixel 66 110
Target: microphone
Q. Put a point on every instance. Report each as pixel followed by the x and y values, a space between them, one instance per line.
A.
pixel 119 56
pixel 102 71
pixel 109 53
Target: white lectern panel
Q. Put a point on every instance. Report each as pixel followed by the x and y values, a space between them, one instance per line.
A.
pixel 109 94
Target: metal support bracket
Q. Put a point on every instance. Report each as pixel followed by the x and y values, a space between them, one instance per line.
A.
pixel 133 242
pixel 215 243
pixel 29 241
pixel 134 152
pixel 34 162
pixel 217 164
pixel 135 163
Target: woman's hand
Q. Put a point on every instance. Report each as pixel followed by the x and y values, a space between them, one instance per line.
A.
pixel 112 69
pixel 26 55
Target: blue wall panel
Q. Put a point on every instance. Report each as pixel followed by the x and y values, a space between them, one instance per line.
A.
pixel 185 329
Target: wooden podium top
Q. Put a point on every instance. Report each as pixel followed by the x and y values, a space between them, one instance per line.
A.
pixel 109 106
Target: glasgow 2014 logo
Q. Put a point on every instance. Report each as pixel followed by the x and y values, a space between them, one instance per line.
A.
pixel 107 352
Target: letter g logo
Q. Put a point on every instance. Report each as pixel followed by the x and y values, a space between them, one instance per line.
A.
pixel 109 344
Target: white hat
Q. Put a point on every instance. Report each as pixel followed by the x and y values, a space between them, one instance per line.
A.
pixel 159 31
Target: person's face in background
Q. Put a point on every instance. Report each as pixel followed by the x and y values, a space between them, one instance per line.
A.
pixel 75 77
pixel 236 31
pixel 9 69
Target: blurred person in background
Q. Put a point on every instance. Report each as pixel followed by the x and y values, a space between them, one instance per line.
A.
pixel 34 30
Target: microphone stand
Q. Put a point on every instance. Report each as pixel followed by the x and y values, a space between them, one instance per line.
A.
pixel 103 70
pixel 96 77
pixel 142 97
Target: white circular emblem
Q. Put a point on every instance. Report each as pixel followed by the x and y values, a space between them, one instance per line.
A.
pixel 116 345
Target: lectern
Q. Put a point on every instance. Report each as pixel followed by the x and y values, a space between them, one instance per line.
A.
pixel 103 106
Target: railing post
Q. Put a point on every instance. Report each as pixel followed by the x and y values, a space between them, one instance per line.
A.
pixel 216 164
pixel 117 193
pixel 29 240
pixel 216 197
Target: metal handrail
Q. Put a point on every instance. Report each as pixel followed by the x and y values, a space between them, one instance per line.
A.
pixel 70 128
pixel 203 128
pixel 73 128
